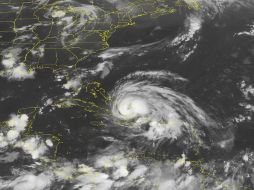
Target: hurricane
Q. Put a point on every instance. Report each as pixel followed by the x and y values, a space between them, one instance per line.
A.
pixel 161 114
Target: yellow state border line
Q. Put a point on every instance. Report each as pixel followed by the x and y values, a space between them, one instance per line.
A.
pixel 27 43
pixel 26 2
pixel 123 22
pixel 106 33
pixel 6 21
pixel 7 12
pixel 63 48
pixel 18 19
pixel 3 31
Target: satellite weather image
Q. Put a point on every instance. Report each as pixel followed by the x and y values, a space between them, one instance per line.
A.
pixel 126 94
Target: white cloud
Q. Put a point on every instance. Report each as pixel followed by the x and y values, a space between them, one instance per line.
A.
pixel 10 57
pixel 104 68
pixel 72 84
pixel 113 52
pixel 31 182
pixel 138 172
pixel 247 90
pixel 49 143
pixel 58 13
pixel 33 146
pixel 20 72
pixel 98 181
pixel 16 124
pixel 248 33
pixel 19 122
pixel 3 141
pixel 9 157
pixel 12 135
pixel 65 172
pixel 14 69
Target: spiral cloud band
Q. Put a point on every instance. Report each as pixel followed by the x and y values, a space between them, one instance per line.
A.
pixel 160 113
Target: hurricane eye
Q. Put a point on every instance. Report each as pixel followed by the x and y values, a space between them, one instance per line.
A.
pixel 145 127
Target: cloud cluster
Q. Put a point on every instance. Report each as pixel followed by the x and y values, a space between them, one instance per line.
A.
pixel 29 181
pixel 14 68
pixel 33 145
pixel 16 126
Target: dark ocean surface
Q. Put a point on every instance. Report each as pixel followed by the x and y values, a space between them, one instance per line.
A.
pixel 124 94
